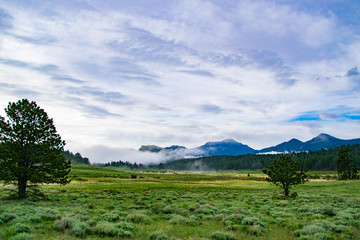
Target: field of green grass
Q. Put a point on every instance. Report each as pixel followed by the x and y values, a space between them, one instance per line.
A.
pixel 110 203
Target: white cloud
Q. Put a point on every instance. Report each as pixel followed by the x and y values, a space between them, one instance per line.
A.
pixel 182 72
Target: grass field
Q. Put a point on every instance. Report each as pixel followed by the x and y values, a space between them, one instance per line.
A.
pixel 109 203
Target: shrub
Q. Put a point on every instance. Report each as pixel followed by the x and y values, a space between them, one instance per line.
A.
pixel 310 230
pixel 235 218
pixel 7 217
pixel 111 230
pixel 178 219
pixel 252 221
pixel 168 210
pixel 22 236
pixel 19 228
pixel 206 210
pixel 328 210
pixel 194 207
pixel 34 218
pixel 138 218
pixel 222 236
pixel 64 223
pixel 255 230
pixel 158 235
pixel 79 229
pixel 224 211
pixel 111 217
pixel 158 208
pixel 191 221
pixel 48 213
pixel 344 218
pixel 126 226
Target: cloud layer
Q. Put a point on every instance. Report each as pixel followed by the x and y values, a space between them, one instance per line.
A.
pixel 122 74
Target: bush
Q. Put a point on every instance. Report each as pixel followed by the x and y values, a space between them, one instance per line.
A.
pixel 178 219
pixel 138 218
pixel 64 223
pixel 79 229
pixel 126 226
pixel 235 218
pixel 252 221
pixel 255 230
pixel 111 230
pixel 34 218
pixel 48 213
pixel 169 210
pixel 19 228
pixel 206 210
pixel 23 236
pixel 222 236
pixel 158 235
pixel 320 226
pixel 7 217
pixel 111 217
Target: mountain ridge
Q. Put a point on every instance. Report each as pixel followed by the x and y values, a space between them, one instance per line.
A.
pixel 322 141
pixel 233 148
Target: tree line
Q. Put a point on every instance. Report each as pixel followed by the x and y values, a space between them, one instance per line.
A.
pixel 123 164
pixel 76 158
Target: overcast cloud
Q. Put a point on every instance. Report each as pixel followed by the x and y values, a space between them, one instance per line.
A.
pixel 115 75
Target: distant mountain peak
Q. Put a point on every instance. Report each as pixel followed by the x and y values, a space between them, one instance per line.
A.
pixel 229 141
pixel 226 141
pixel 294 140
pixel 225 147
pixel 323 137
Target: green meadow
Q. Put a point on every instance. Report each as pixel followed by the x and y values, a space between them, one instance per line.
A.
pixel 113 203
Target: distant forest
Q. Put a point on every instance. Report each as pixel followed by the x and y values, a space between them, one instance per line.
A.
pixel 317 160
pixel 122 164
pixel 77 158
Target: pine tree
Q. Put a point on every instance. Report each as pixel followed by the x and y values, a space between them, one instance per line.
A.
pixel 285 172
pixel 344 165
pixel 30 148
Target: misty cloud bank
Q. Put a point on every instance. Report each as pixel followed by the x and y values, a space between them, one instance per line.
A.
pixel 104 154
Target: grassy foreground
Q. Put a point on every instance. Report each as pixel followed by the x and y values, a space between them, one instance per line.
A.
pixel 108 203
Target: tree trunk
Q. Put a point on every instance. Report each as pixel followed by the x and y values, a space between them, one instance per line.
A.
pixel 286 192
pixel 286 189
pixel 22 184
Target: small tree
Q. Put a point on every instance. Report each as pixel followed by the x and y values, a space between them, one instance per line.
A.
pixel 344 165
pixel 30 148
pixel 285 172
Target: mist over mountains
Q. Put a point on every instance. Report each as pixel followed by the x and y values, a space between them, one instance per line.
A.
pixel 234 148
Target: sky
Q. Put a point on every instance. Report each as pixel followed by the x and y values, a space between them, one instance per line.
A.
pixel 115 75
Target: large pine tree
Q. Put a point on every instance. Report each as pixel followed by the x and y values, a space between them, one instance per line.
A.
pixel 30 148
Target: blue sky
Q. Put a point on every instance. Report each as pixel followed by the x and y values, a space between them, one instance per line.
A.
pixel 118 74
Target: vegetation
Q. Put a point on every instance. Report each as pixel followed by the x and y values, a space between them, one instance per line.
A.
pixel 344 165
pixel 106 203
pixel 30 148
pixel 124 164
pixel 76 158
pixel 138 203
pixel 285 172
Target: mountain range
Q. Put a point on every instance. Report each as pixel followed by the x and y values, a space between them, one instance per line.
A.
pixel 234 148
